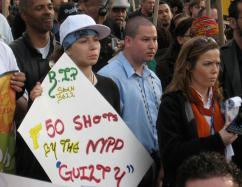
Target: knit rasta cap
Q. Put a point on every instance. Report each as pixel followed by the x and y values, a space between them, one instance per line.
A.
pixel 204 26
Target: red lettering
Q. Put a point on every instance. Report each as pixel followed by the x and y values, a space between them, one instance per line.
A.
pixel 76 175
pixel 111 142
pixel 66 176
pixel 91 168
pixel 78 124
pixel 88 173
pixel 52 128
pixel 83 175
pixel 110 116
pixel 105 144
pixel 104 169
pixel 87 121
pixel 93 145
pixel 118 178
pixel 119 144
pixel 96 119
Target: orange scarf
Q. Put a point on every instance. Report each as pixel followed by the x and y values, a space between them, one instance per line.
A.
pixel 203 128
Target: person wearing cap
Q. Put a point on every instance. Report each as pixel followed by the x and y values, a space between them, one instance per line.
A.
pixel 64 10
pixel 79 38
pixel 97 9
pixel 205 26
pixel 116 18
pixel 139 87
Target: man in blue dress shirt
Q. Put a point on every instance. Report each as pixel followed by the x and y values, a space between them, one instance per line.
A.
pixel 140 89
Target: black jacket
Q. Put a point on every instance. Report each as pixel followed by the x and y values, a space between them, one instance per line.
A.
pixel 230 78
pixel 30 61
pixel 178 137
pixel 231 83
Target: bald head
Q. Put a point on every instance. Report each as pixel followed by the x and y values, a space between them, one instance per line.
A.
pixel 133 24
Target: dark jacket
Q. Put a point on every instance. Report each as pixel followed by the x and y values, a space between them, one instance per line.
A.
pixel 230 78
pixel 30 61
pixel 178 137
pixel 231 83
pixel 116 30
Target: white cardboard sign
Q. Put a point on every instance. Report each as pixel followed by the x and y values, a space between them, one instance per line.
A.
pixel 76 135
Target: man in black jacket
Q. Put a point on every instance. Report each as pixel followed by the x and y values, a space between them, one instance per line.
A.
pixel 32 52
pixel 231 60
pixel 146 9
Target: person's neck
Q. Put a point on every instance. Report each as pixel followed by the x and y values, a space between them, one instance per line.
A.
pixel 39 40
pixel 137 66
pixel 238 39
pixel 202 91
pixel 87 71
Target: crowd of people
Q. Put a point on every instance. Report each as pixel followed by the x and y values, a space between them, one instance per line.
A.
pixel 167 80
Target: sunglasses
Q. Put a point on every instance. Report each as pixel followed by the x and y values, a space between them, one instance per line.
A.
pixel 200 42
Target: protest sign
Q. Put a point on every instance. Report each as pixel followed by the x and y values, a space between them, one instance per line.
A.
pixel 78 137
pixel 7 135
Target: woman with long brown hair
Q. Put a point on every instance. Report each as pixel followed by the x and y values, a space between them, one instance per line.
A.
pixel 190 120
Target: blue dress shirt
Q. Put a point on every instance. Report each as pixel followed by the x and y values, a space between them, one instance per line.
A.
pixel 140 98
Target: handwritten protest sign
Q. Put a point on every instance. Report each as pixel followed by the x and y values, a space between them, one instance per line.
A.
pixel 78 137
pixel 7 136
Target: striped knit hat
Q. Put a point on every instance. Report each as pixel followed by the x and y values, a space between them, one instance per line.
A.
pixel 204 26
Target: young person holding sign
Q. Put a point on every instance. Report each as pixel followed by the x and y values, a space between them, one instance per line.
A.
pixel 79 37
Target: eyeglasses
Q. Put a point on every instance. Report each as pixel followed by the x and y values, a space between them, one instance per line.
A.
pixel 116 9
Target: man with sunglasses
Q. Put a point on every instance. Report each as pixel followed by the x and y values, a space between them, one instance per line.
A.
pixel 231 61
pixel 117 17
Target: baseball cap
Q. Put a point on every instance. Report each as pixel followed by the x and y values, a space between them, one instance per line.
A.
pixel 66 10
pixel 120 4
pixel 80 22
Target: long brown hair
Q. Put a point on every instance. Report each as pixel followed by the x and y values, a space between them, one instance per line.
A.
pixel 186 61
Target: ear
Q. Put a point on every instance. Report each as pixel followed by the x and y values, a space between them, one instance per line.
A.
pixel 127 41
pixel 23 16
pixel 180 39
pixel 233 23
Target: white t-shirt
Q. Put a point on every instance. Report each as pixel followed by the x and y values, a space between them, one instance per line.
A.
pixel 7 59
pixel 5 30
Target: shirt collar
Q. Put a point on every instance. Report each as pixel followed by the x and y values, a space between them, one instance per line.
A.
pixel 129 70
